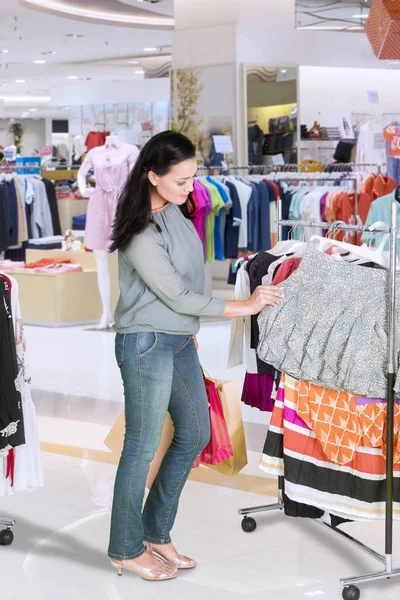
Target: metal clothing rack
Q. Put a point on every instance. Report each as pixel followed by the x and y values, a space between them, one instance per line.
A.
pixel 350 591
pixel 323 178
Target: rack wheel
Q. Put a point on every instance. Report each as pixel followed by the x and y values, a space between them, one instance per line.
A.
pixel 351 593
pixel 249 524
pixel 6 537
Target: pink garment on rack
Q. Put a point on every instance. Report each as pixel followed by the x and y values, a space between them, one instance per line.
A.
pixel 111 164
pixel 203 208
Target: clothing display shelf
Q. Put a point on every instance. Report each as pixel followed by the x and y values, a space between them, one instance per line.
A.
pixel 350 591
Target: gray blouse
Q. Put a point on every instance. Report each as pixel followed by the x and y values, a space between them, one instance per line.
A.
pixel 161 279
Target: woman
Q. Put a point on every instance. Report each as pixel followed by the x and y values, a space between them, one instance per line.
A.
pixel 161 275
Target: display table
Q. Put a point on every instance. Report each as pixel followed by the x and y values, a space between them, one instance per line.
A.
pixel 64 299
pixel 70 208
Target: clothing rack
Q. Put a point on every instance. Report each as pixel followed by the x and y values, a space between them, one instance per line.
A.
pixel 350 591
pixel 266 169
pixel 323 178
pixel 12 168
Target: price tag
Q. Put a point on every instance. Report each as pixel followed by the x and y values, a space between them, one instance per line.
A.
pixel 278 159
pixel 223 144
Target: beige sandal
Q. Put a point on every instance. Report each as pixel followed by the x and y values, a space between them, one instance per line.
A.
pixel 161 573
pixel 178 562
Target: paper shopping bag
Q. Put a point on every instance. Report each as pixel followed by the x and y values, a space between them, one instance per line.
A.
pixel 230 402
pixel 115 441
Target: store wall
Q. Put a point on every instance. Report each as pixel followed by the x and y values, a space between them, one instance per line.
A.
pixel 267 34
pixel 255 32
pixel 136 90
pixel 326 94
pixel 34 135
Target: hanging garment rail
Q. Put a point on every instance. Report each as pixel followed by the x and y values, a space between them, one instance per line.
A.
pixel 350 591
pixel 289 167
pixel 13 168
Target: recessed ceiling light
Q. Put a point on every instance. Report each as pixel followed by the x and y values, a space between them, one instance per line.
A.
pixel 39 62
pixel 133 62
pixel 66 107
pixel 73 77
pixel 20 81
pixel 74 35
pixel 139 72
pixel 365 16
pixel 150 49
pixel 33 109
pixel 47 53
pixel 4 51
pixel 283 70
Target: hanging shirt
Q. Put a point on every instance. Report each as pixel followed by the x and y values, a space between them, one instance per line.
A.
pixel 266 193
pixel 217 205
pixel 310 210
pixel 233 223
pixel 220 218
pixel 381 210
pixel 244 191
pixel 253 220
pixel 203 208
pixel 371 148
pixel 42 224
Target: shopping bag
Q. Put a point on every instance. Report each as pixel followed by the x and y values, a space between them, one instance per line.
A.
pixel 115 441
pixel 219 447
pixel 228 395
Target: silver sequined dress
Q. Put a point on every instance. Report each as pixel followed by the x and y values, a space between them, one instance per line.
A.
pixel 331 327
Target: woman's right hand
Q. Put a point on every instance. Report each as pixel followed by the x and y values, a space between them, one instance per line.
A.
pixel 264 295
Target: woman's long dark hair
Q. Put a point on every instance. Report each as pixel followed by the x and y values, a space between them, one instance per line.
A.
pixel 133 213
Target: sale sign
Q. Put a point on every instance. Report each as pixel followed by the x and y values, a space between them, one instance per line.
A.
pixel 391 134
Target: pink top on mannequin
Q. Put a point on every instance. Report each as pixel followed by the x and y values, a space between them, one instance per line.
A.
pixel 112 164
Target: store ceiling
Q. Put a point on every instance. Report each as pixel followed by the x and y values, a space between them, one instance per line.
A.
pixel 75 50
pixel 337 15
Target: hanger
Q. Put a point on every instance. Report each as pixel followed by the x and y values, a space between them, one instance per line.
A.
pixel 375 255
pixel 385 237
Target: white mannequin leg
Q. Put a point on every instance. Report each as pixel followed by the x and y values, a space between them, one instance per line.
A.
pixel 103 278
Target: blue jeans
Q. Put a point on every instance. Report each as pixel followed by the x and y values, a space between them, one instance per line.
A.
pixel 161 373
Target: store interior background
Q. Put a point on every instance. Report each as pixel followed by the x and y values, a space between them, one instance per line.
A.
pixel 82 67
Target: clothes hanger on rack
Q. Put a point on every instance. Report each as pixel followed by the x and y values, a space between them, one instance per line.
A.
pixel 375 255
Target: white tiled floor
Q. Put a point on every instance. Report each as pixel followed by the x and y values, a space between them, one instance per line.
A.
pixel 61 534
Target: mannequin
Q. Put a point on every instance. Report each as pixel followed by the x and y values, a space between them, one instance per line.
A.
pixel 112 164
pixel 79 149
pixel 10 153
